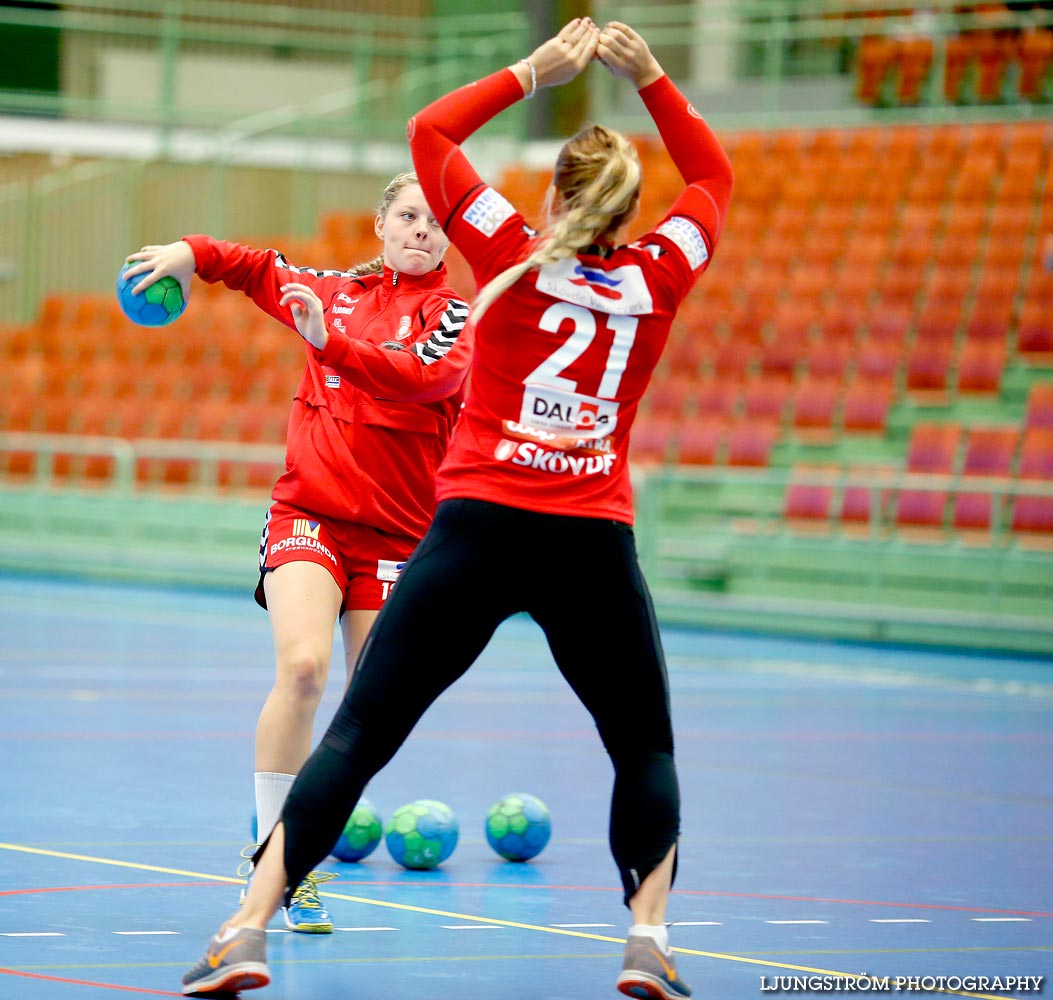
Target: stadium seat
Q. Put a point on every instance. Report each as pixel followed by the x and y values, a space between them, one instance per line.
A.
pixel 701 441
pixel 1035 59
pixel 652 439
pixel 932 450
pixel 1032 520
pixel 1039 411
pixel 808 503
pixel 1034 338
pixel 980 367
pixel 866 405
pixel 669 397
pixel 927 368
pixel 764 399
pixel 815 401
pixel 750 443
pixel 989 452
pixel 717 398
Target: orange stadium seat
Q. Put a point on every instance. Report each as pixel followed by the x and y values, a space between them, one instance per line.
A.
pixel 815 402
pixel 980 367
pixel 652 439
pixel 866 405
pixel 717 398
pixel 1035 60
pixel 1035 334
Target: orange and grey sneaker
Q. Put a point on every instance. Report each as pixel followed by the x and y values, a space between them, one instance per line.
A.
pixel 648 974
pixel 230 964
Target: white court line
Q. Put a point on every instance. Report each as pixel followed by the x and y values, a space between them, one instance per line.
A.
pixel 470 927
pixel 899 920
pixel 31 934
pixel 581 925
pixel 366 928
pixel 796 921
pixel 697 923
pixel 1001 920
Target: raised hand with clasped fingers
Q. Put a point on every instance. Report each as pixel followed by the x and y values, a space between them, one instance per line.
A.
pixel 624 52
pixel 560 59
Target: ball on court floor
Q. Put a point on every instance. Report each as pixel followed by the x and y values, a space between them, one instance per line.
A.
pixel 518 826
pixel 162 303
pixel 362 833
pixel 421 834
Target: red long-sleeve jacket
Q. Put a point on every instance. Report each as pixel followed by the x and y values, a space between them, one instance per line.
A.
pixel 370 421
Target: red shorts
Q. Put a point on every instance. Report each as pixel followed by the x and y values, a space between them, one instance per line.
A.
pixel 364 562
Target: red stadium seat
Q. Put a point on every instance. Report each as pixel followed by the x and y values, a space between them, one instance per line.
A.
pixel 764 399
pixel 808 503
pixel 750 443
pixel 1033 515
pixel 652 439
pixel 866 405
pixel 932 451
pixel 815 402
pixel 980 367
pixel 717 397
pixel 701 442
pixel 989 452
pixel 1039 412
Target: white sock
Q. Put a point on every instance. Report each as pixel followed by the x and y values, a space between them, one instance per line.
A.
pixel 272 789
pixel 658 932
pixel 227 934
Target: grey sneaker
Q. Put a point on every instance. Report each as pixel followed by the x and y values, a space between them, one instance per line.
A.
pixel 239 963
pixel 648 974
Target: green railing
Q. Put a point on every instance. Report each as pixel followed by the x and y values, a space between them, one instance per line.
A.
pixel 715 544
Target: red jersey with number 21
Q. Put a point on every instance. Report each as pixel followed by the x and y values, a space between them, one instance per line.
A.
pixel 563 357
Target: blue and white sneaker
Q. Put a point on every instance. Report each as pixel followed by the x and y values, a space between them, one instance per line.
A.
pixel 306 913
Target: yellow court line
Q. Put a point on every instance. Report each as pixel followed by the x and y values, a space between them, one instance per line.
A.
pixel 472 917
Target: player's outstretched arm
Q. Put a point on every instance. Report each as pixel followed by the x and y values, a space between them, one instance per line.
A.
pixel 155 261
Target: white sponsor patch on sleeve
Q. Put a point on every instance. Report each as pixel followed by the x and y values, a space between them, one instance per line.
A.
pixel 685 235
pixel 488 211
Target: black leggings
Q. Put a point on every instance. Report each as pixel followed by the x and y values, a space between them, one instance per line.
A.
pixel 480 563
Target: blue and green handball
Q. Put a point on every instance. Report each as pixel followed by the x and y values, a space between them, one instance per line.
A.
pixel 422 834
pixel 518 826
pixel 160 304
pixel 362 833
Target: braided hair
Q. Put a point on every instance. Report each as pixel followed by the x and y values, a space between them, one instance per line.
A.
pixel 597 177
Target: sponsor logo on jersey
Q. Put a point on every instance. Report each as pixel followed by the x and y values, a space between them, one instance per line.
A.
pixel 685 235
pixel 302 526
pixel 488 211
pixel 332 381
pixel 559 463
pixel 341 297
pixel 343 310
pixel 622 290
pixel 404 327
pixel 339 324
pixel 567 412
pixel 562 442
pixel 389 569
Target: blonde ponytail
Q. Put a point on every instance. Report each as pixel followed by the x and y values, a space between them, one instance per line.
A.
pixel 598 178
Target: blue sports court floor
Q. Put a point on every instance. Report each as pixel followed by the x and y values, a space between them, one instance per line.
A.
pixel 847 810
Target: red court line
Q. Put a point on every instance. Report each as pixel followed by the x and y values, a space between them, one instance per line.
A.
pixel 124 885
pixel 352 883
pixel 88 982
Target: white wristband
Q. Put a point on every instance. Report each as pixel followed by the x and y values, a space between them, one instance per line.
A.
pixel 533 79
